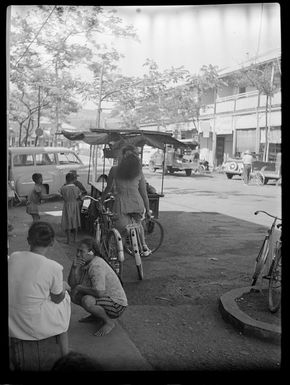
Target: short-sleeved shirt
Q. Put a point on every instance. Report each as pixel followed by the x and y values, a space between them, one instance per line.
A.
pixel 101 276
pixel 32 313
pixel 247 159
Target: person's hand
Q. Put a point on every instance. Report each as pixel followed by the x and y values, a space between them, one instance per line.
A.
pixel 66 286
pixel 148 214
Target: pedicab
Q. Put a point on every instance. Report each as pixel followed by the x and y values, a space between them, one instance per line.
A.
pixel 105 146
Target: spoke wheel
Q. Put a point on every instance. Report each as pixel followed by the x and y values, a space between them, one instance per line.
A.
pixel 275 285
pixel 260 260
pixel 113 255
pixel 258 178
pixel 154 233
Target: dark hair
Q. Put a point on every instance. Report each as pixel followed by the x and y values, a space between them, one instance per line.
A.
pixel 130 149
pixel 40 234
pixel 91 245
pixel 76 362
pixel 36 177
pixel 70 177
pixel 129 167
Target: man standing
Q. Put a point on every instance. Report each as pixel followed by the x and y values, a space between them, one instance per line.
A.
pixel 77 183
pixel 247 162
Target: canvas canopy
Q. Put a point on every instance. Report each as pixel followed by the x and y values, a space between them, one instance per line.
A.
pixel 118 138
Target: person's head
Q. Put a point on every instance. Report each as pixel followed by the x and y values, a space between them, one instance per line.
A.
pixel 69 178
pixel 129 149
pixel 75 174
pixel 88 249
pixel 130 164
pixel 40 234
pixel 37 178
pixel 76 362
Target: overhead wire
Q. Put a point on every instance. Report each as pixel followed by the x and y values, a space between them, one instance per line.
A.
pixel 27 48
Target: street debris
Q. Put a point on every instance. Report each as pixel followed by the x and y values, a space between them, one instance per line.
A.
pixel 163 298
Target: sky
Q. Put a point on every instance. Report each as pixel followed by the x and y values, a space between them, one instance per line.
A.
pixel 194 35
pixel 191 36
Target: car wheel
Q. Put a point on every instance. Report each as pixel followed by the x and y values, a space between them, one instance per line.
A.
pixel 229 176
pixel 233 166
pixel 188 172
pixel 170 169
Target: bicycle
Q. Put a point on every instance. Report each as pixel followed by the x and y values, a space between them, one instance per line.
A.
pixel 107 237
pixel 133 245
pixel 110 241
pixel 275 282
pixel 264 252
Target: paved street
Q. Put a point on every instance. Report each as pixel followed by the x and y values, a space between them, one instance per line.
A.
pixel 211 239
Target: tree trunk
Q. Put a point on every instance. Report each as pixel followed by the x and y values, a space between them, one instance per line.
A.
pixel 27 132
pixel 266 131
pixel 20 132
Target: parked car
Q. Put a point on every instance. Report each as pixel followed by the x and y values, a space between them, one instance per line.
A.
pixel 52 162
pixel 233 166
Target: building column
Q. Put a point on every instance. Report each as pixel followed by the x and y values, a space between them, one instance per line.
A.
pixel 234 128
pixel 213 132
pixel 258 131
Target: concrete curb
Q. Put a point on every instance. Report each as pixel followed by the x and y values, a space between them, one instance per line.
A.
pixel 244 323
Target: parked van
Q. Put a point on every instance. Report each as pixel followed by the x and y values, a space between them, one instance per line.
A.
pixel 52 162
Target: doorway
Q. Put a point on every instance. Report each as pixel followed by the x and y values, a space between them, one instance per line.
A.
pixel 220 149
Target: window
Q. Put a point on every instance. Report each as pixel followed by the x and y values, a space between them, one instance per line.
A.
pixel 23 160
pixel 242 90
pixel 44 159
pixel 67 158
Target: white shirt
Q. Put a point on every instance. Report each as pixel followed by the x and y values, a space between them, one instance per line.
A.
pixel 32 313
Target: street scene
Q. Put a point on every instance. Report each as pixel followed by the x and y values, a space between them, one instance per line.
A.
pixel 144 196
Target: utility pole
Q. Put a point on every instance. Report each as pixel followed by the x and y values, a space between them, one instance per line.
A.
pixel 8 24
pixel 270 109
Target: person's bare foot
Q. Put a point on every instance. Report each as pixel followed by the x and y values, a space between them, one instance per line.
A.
pixel 105 329
pixel 89 318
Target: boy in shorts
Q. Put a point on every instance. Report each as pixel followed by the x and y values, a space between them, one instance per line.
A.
pixel 96 287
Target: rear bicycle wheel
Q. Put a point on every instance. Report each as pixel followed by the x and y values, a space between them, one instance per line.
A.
pixel 275 284
pixel 113 256
pixel 154 233
pixel 260 260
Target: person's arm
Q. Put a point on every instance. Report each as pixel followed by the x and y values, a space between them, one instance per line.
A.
pixel 74 274
pixel 89 291
pixel 109 186
pixel 58 286
pixel 143 193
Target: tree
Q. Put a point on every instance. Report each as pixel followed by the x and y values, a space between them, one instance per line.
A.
pixel 49 35
pixel 170 96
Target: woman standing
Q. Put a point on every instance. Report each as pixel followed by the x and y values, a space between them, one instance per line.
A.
pixel 39 305
pixel 131 197
pixel 71 219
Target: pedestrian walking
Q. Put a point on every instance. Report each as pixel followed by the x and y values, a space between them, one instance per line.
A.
pixel 96 287
pixel 35 196
pixel 71 219
pixel 39 304
pixel 247 162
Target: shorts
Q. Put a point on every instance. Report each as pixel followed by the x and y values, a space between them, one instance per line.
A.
pixel 113 309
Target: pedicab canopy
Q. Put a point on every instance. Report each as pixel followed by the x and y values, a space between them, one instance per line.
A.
pixel 113 140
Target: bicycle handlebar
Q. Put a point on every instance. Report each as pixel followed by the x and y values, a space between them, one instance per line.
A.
pixel 96 199
pixel 272 216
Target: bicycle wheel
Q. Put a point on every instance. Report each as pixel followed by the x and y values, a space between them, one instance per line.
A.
pixel 260 260
pixel 135 242
pixel 154 233
pixel 258 178
pixel 275 284
pixel 113 256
